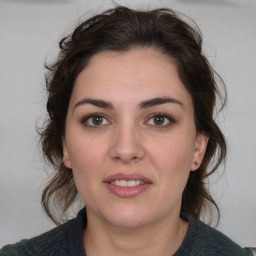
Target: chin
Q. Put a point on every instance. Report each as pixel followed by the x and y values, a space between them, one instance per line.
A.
pixel 127 223
pixel 128 218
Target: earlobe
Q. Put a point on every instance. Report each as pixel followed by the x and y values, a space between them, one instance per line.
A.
pixel 199 151
pixel 65 159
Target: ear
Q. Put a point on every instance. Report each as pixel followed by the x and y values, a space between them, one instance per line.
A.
pixel 65 159
pixel 199 151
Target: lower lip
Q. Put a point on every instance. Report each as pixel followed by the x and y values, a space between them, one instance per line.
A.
pixel 127 192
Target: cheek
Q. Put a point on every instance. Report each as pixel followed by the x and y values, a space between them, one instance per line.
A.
pixel 86 154
pixel 87 160
pixel 173 154
pixel 172 160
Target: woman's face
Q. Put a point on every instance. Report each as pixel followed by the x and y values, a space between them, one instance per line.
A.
pixel 130 137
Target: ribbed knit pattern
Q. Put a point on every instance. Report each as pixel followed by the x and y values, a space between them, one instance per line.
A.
pixel 67 240
pixel 203 240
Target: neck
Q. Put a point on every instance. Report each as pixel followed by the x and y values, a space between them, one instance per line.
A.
pixel 161 238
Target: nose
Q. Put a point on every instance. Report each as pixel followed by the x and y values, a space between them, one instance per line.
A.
pixel 127 145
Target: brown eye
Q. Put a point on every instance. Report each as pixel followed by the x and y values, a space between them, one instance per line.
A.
pixel 161 120
pixel 95 120
pixel 158 120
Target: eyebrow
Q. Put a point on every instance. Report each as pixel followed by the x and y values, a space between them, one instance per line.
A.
pixel 94 102
pixel 144 104
pixel 159 101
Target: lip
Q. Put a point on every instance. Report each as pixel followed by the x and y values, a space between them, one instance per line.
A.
pixel 131 176
pixel 127 192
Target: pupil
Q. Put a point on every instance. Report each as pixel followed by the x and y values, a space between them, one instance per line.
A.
pixel 97 120
pixel 158 120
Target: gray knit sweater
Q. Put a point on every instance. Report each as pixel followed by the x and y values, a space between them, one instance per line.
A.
pixel 67 239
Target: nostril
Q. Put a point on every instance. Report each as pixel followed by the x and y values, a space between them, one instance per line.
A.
pixel 127 157
pixel 126 147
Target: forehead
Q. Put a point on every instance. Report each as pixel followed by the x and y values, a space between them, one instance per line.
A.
pixel 134 74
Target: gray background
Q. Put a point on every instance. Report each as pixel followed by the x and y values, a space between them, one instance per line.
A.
pixel 30 31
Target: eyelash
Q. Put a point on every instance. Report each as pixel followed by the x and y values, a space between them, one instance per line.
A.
pixel 86 118
pixel 169 118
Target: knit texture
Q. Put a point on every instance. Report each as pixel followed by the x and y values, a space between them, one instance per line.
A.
pixel 67 240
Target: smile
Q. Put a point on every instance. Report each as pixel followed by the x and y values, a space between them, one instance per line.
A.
pixel 127 183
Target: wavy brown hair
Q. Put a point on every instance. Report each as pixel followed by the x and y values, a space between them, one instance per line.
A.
pixel 121 29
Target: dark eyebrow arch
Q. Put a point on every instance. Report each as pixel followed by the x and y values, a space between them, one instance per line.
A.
pixel 159 101
pixel 94 102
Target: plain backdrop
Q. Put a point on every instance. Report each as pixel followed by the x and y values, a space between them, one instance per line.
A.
pixel 29 34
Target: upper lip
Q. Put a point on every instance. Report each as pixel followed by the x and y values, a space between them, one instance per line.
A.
pixel 124 176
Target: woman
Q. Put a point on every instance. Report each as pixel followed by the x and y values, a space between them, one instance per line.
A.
pixel 131 130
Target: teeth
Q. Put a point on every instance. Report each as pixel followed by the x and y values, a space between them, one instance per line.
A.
pixel 125 183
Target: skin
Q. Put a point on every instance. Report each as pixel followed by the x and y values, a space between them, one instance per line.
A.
pixel 128 138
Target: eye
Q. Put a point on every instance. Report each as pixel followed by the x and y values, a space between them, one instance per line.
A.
pixel 95 120
pixel 161 120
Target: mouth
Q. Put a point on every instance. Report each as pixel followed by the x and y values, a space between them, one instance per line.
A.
pixel 127 185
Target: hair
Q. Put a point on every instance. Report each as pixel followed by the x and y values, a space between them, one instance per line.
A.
pixel 122 29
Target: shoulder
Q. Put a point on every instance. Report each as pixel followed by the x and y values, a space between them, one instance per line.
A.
pixel 60 241
pixel 202 240
pixel 53 242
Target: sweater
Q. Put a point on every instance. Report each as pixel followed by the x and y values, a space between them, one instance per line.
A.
pixel 67 239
